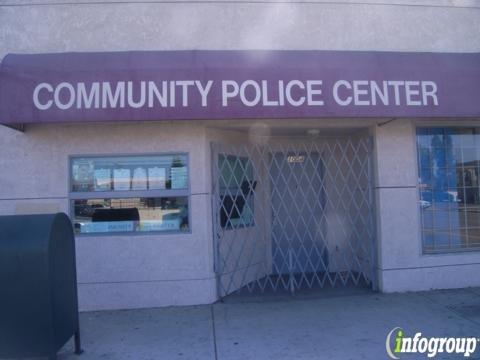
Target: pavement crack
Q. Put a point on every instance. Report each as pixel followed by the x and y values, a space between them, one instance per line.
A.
pixel 214 332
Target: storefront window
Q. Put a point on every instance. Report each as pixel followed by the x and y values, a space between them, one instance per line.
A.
pixel 236 191
pixel 130 194
pixel 448 168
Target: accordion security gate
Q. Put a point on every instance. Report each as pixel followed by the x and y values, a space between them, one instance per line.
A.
pixel 292 215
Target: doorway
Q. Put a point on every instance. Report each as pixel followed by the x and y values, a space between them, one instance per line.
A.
pixel 297 205
pixel 293 214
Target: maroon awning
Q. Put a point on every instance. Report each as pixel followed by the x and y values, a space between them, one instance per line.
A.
pixel 130 86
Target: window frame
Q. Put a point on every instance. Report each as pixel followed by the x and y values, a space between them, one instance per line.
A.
pixel 125 194
pixel 432 124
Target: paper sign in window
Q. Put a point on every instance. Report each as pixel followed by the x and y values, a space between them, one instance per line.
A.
pixel 156 178
pixel 139 180
pixel 179 177
pixel 121 179
pixel 103 179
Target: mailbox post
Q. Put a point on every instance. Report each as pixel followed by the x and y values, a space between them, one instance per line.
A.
pixel 38 285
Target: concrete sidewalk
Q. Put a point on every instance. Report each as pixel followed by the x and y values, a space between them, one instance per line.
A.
pixel 334 327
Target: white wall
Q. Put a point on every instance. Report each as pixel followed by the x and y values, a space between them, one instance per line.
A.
pixel 116 271
pixel 425 25
pixel 402 267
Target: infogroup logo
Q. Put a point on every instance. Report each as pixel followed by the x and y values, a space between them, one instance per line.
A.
pixel 397 343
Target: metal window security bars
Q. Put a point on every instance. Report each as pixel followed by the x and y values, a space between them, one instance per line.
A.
pixel 293 214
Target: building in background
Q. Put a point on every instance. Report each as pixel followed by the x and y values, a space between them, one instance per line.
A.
pixel 202 148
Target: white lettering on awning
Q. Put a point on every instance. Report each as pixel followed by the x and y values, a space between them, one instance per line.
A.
pixel 248 93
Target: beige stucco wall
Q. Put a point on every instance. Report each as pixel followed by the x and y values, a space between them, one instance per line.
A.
pixel 421 25
pixel 401 264
pixel 116 271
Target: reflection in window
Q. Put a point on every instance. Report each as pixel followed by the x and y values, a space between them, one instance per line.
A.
pixel 131 215
pixel 138 193
pixel 448 168
pixel 236 191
